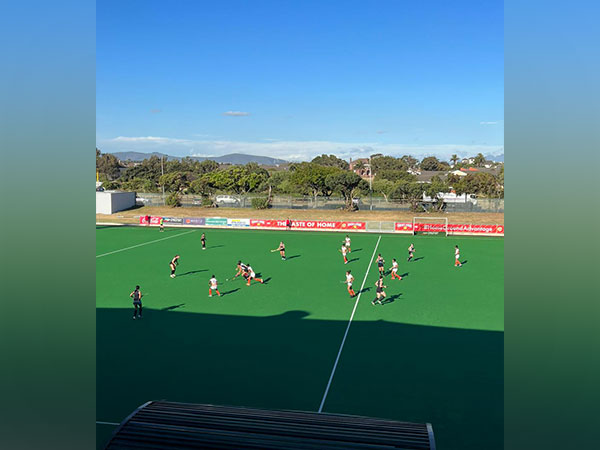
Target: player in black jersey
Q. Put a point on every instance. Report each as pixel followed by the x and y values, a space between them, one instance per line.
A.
pixel 411 252
pixel 380 264
pixel 203 240
pixel 136 295
pixel 242 269
pixel 173 265
pixel 380 293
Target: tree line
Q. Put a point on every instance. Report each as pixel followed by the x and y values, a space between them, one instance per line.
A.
pixel 325 175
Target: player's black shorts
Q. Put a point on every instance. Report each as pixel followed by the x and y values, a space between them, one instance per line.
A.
pixel 137 302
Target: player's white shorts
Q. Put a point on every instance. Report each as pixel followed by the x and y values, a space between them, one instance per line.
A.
pixel 214 288
pixel 349 285
pixel 394 270
pixel 252 275
pixel 457 256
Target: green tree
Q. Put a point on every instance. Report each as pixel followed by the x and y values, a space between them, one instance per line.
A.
pixel 311 178
pixel 454 158
pixel 435 189
pixel 107 165
pixel 138 185
pixel 384 187
pixel 409 191
pixel 346 183
pixel 411 163
pixel 238 179
pixel 148 169
pixel 479 160
pixel 207 166
pixel 174 181
pixel 173 200
pixel 202 186
pixel 395 175
pixel 330 161
pixel 431 163
pixel 379 163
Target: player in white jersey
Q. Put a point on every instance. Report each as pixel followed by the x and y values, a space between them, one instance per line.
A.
pixel 349 281
pixel 347 240
pixel 395 269
pixel 213 286
pixel 457 257
pixel 344 251
pixel 252 276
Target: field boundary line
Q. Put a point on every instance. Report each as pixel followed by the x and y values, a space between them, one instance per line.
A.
pixel 144 243
pixel 348 328
pixel 114 424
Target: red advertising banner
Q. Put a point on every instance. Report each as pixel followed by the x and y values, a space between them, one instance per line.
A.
pixel 403 226
pixel 144 220
pixel 452 228
pixel 155 220
pixel 309 224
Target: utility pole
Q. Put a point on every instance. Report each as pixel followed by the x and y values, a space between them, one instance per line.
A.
pixel 371 182
pixel 162 172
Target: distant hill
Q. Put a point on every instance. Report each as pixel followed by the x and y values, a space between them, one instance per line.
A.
pixel 233 158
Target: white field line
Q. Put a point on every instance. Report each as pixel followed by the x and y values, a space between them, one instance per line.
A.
pixel 114 424
pixel 348 327
pixel 145 243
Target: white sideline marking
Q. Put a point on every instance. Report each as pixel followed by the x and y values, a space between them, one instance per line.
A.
pixel 348 327
pixel 108 423
pixel 145 243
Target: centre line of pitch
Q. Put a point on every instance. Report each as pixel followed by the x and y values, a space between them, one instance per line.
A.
pixel 348 327
pixel 145 243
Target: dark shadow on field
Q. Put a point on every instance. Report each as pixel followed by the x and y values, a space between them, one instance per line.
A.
pixel 418 259
pixel 292 257
pixel 363 290
pixel 404 274
pixel 452 378
pixel 214 246
pixel 357 250
pixel 390 299
pixel 170 308
pixel 231 291
pixel 266 280
pixel 352 260
pixel 465 261
pixel 191 272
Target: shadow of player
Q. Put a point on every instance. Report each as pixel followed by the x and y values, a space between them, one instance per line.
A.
pixel 292 257
pixel 170 308
pixel 230 291
pixel 390 299
pixel 418 259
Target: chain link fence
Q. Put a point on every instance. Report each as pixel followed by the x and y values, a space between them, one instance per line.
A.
pixel 324 203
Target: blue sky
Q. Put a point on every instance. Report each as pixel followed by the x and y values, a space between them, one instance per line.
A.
pixel 294 79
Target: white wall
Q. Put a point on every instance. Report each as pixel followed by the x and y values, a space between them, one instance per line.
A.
pixel 112 202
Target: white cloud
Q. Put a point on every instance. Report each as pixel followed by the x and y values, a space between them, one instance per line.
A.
pixel 150 140
pixel 236 113
pixel 288 150
pixel 488 123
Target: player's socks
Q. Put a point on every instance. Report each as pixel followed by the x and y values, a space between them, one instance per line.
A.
pixel 218 293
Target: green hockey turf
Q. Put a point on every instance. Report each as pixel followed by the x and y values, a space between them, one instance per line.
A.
pixel 433 353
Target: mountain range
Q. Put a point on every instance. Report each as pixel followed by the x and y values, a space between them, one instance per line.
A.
pixel 232 158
